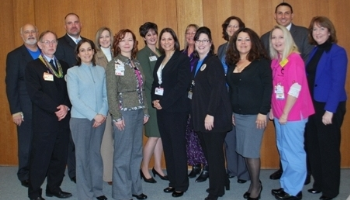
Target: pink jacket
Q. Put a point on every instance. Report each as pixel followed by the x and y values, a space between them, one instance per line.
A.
pixel 292 72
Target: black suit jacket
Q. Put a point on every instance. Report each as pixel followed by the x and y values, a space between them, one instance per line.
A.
pixel 300 37
pixel 176 78
pixel 210 96
pixel 46 96
pixel 16 91
pixel 66 50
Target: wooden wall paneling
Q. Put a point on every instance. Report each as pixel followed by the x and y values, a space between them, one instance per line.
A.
pixel 14 15
pixel 188 12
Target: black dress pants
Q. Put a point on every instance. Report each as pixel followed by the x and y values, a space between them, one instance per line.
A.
pixel 212 145
pixel 172 128
pixel 323 148
pixel 48 159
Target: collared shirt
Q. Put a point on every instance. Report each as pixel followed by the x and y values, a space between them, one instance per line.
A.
pixel 75 39
pixel 289 26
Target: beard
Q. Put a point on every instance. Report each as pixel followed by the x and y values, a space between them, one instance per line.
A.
pixel 30 41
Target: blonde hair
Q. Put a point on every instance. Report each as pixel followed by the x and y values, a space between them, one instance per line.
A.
pixel 289 44
pixel 99 33
pixel 195 26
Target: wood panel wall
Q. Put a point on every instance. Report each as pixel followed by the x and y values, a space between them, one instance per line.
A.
pixel 177 14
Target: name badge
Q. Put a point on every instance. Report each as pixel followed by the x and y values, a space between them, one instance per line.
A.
pixel 153 58
pixel 190 93
pixel 279 91
pixel 48 76
pixel 119 68
pixel 159 91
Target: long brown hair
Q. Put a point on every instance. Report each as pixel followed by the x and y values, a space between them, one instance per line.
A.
pixel 256 52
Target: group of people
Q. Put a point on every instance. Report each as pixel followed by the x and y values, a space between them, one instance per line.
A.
pixel 85 104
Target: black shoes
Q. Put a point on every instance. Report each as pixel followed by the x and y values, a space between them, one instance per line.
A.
pixel 258 197
pixel 308 179
pixel 276 175
pixel 160 176
pixel 196 169
pixel 74 179
pixel 325 198
pixel 230 176
pixel 241 181
pixel 147 180
pixel 140 196
pixel 313 191
pixel 25 183
pixel 38 198
pixel 169 190
pixel 280 194
pixel 204 174
pixel 246 195
pixel 103 197
pixel 177 194
pixel 60 194
pixel 211 197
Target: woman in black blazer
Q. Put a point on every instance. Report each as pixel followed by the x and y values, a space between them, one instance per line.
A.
pixel 172 78
pixel 211 110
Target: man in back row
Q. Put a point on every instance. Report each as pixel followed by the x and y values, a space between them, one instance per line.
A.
pixel 66 52
pixel 284 16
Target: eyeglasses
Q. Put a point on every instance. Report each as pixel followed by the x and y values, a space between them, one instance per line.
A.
pixel 29 32
pixel 47 42
pixel 202 41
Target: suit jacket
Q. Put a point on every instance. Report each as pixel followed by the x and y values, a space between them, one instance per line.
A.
pixel 176 79
pixel 329 86
pixel 87 91
pixel 300 36
pixel 66 50
pixel 210 96
pixel 222 50
pixel 46 96
pixel 16 91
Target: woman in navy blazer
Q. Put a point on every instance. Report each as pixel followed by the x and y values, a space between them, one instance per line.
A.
pixel 326 70
pixel 86 84
pixel 172 77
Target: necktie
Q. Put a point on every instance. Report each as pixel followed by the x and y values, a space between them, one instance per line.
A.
pixel 52 62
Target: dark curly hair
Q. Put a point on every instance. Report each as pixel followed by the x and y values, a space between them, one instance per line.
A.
pixel 227 22
pixel 257 50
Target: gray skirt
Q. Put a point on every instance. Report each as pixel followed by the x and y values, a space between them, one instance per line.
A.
pixel 248 136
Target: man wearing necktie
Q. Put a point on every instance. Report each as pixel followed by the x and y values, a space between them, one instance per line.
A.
pixel 50 102
pixel 66 52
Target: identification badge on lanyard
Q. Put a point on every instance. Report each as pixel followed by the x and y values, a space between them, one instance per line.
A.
pixel 279 91
pixel 48 76
pixel 159 91
pixel 119 68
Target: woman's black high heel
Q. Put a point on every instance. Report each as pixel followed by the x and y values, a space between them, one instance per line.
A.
pixel 256 198
pixel 227 185
pixel 160 176
pixel 148 180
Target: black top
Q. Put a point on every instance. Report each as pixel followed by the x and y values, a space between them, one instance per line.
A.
pixel 210 96
pixel 250 92
pixel 311 66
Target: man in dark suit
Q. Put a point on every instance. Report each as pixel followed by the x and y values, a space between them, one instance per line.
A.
pixel 65 51
pixel 44 78
pixel 19 101
pixel 284 16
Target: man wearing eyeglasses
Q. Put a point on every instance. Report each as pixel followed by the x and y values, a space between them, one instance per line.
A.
pixel 46 86
pixel 18 99
pixel 65 51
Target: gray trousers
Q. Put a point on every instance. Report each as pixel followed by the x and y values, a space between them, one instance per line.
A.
pixel 89 165
pixel 128 156
pixel 236 165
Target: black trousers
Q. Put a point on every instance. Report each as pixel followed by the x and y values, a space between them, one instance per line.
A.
pixel 212 145
pixel 172 128
pixel 48 159
pixel 24 137
pixel 323 148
